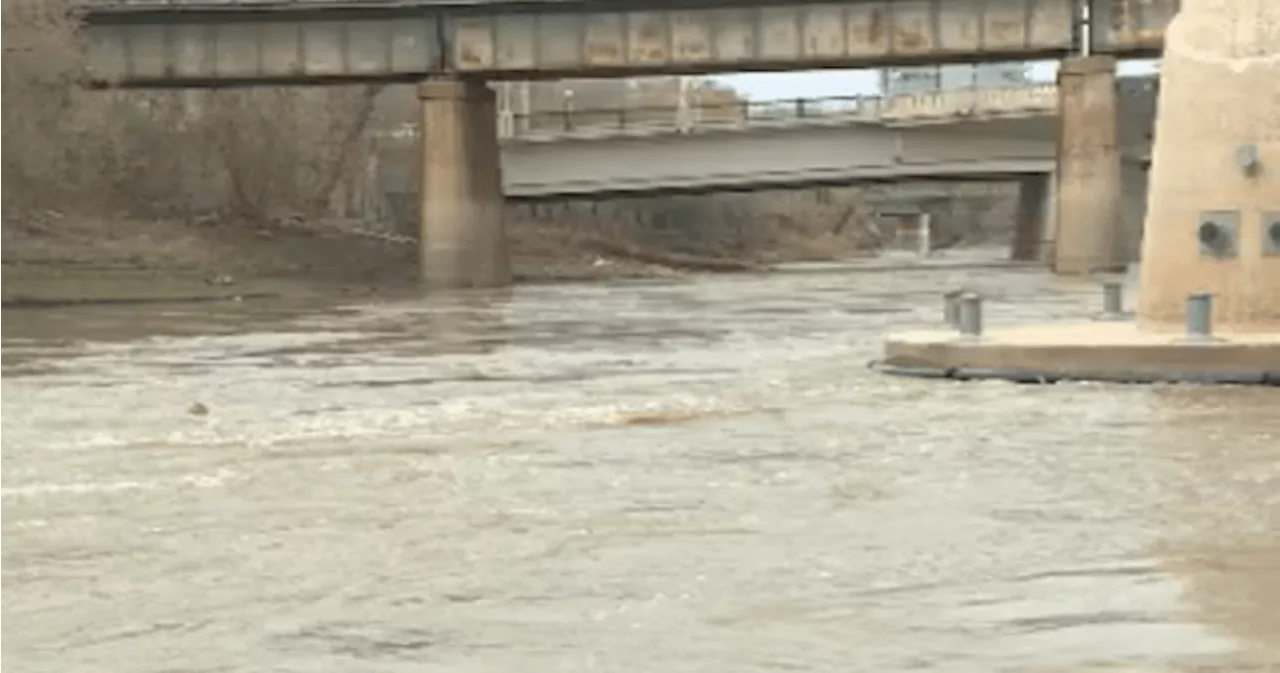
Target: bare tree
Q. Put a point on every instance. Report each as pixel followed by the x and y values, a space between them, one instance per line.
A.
pixel 252 153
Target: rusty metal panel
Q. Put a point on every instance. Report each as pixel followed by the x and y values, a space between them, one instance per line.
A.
pixel 367 46
pixel 193 49
pixel 513 42
pixel 108 52
pixel 779 34
pixel 414 45
pixel 823 32
pixel 912 27
pixel 960 26
pixel 559 40
pixel 1004 25
pixel 1105 17
pixel 148 50
pixel 647 38
pixel 281 48
pixel 1132 24
pixel 603 43
pixel 1156 16
pixel 236 48
pixel 1050 24
pixel 473 46
pixel 867 31
pixel 783 34
pixel 690 37
pixel 322 48
pixel 735 35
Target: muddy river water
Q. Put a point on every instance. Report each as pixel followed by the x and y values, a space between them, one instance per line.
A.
pixel 693 475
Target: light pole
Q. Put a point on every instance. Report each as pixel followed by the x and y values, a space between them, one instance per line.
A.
pixel 568 109
pixel 506 120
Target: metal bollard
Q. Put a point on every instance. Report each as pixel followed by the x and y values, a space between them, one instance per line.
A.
pixel 971 315
pixel 951 308
pixel 1112 298
pixel 1200 316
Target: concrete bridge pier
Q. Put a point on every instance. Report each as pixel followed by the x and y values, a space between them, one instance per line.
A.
pixel 463 242
pixel 1033 229
pixel 1213 225
pixel 1089 232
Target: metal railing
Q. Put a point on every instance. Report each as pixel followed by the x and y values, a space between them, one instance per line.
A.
pixel 699 116
pixel 696 115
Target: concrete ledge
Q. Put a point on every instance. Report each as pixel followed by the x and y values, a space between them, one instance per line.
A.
pixel 1102 351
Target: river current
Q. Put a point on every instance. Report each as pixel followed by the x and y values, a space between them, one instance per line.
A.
pixel 685 475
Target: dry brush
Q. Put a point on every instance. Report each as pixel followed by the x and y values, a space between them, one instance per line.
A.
pixel 247 153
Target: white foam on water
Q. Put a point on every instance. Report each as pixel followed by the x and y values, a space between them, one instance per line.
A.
pixel 214 480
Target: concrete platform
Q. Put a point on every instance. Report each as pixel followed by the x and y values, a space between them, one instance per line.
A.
pixel 1095 351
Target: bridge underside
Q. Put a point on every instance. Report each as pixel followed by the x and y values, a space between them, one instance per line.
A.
pixel 203 43
pixel 771 158
pixel 988 171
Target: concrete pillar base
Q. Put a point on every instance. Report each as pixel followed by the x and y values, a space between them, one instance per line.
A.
pixel 1098 351
pixel 1088 173
pixel 463 236
pixel 1219 104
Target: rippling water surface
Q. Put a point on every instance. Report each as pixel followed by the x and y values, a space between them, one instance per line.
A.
pixel 698 475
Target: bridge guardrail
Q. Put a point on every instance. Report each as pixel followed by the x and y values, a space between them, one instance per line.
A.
pixel 902 110
pixel 907 109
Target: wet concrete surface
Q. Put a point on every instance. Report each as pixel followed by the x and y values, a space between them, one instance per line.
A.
pixel 684 475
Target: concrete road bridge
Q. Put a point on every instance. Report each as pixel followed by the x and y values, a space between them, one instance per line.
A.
pixel 973 134
pixel 454 47
pixel 764 144
pixel 965 134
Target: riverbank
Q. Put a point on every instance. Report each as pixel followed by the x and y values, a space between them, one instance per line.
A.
pixel 51 258
pixel 54 259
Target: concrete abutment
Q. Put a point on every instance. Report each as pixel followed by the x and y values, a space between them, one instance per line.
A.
pixel 1216 169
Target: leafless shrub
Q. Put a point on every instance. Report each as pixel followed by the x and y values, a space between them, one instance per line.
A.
pixel 286 149
pixel 251 153
pixel 40 68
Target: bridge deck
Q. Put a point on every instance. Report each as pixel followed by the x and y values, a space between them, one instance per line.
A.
pixel 743 158
pixel 209 43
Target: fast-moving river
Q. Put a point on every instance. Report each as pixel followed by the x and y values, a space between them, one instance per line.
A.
pixel 698 475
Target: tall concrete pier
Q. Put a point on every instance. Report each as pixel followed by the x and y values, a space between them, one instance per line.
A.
pixel 1209 301
pixel 1088 174
pixel 1213 223
pixel 463 235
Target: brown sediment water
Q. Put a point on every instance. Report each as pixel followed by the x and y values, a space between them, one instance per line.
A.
pixel 663 476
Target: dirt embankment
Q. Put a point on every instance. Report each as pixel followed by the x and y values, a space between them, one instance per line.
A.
pixel 53 258
pixel 50 257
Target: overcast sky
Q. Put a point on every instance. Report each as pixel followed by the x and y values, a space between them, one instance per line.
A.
pixel 818 83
